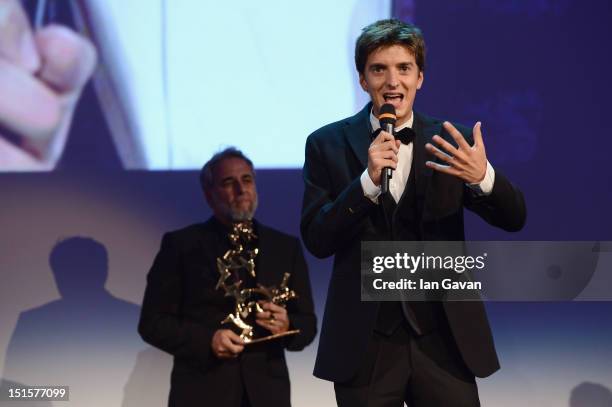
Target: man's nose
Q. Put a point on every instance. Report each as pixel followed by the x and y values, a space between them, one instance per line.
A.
pixel 238 188
pixel 392 79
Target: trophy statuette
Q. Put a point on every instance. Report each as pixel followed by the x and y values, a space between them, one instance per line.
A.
pixel 241 257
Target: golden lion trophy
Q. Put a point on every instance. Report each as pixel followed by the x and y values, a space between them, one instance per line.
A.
pixel 241 256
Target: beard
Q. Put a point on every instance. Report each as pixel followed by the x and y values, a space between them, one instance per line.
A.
pixel 237 213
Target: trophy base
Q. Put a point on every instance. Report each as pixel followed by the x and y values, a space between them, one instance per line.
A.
pixel 271 337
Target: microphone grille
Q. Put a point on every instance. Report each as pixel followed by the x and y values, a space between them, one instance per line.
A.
pixel 387 114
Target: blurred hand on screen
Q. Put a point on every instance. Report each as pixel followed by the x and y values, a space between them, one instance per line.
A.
pixel 42 74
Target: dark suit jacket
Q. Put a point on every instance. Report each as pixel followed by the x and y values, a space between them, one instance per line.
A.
pixel 182 310
pixel 336 217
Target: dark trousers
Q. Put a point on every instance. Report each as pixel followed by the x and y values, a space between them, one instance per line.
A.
pixel 246 381
pixel 245 400
pixel 422 371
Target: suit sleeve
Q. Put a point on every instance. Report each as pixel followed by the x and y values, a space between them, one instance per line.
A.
pixel 301 309
pixel 329 220
pixel 161 323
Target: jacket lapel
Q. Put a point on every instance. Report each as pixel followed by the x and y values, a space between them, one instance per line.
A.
pixel 264 263
pixel 425 130
pixel 418 180
pixel 210 245
pixel 442 192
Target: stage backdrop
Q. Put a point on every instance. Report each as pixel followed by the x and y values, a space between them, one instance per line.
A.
pixel 535 74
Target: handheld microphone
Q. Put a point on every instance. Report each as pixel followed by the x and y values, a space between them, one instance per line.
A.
pixel 387 120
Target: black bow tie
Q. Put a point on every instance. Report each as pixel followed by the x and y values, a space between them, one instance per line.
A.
pixel 405 135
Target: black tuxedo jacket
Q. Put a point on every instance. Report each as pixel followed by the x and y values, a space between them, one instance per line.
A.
pixel 336 217
pixel 182 310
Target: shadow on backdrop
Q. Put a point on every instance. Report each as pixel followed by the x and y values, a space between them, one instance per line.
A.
pixel 149 382
pixel 86 340
pixel 590 395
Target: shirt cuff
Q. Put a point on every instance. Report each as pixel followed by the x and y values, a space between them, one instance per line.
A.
pixel 370 190
pixel 484 187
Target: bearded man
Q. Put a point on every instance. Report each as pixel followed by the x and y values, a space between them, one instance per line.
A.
pixel 183 307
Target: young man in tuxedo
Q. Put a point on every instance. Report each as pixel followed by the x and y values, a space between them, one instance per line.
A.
pixel 183 309
pixel 388 353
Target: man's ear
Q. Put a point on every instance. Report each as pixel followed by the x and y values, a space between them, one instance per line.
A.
pixel 420 80
pixel 362 82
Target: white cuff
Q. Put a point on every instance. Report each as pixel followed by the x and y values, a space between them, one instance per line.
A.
pixel 370 190
pixel 484 187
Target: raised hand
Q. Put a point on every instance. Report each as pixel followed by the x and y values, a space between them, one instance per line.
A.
pixel 466 162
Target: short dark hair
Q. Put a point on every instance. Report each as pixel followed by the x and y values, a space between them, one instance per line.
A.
pixel 384 33
pixel 206 174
